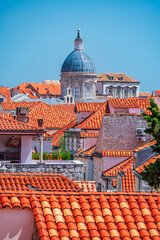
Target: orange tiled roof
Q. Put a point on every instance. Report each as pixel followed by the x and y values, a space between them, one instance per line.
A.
pixel 5 92
pixel 117 153
pixel 145 94
pixel 94 120
pixel 123 103
pixel 87 186
pixel 66 107
pixel 7 115
pixel 45 88
pixel 10 125
pixel 96 216
pixel 158 91
pixel 37 181
pixel 128 181
pixel 60 133
pixel 89 151
pixel 151 160
pixel 115 77
pixel 88 134
pixel 87 107
pixel 29 93
pixel 143 103
pixel 52 116
pixel 13 105
pixel 41 88
pixel 145 146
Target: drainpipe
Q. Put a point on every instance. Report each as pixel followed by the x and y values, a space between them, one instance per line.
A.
pixel 41 148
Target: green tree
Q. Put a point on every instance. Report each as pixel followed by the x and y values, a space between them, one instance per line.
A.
pixel 153 120
pixel 151 173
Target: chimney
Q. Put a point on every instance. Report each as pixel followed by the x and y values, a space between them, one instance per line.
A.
pixel 40 122
pixel 22 114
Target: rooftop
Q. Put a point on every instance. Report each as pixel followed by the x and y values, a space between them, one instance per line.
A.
pixel 115 77
pixel 5 92
pixel 91 216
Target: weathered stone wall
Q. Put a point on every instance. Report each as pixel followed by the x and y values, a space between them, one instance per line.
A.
pixel 73 170
pixel 97 171
pixel 119 132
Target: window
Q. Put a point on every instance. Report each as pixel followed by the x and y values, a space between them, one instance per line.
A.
pixel 65 91
pixel 110 77
pixel 120 78
pixel 1 100
pixel 76 92
pixel 88 92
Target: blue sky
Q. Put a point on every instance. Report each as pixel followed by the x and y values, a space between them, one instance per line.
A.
pixel 119 36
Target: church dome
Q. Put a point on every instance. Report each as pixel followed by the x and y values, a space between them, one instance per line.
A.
pixel 78 61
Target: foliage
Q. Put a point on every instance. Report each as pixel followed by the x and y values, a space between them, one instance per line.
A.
pixel 60 155
pixel 153 124
pixel 151 174
pixel 35 156
pixel 65 155
pixel 61 143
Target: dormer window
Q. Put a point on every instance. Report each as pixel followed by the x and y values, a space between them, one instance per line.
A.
pixel 111 77
pixel 120 78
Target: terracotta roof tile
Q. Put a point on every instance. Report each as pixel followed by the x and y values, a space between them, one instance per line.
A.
pixel 106 216
pixel 52 116
pixel 10 125
pixel 41 88
pixel 115 77
pixel 145 94
pixel 94 120
pixel 45 89
pixel 144 146
pixel 87 152
pixel 123 103
pixel 87 107
pixel 87 186
pixel 151 160
pixel 89 134
pixel 29 93
pixel 13 105
pixel 5 92
pixel 117 153
pixel 25 182
pixel 128 181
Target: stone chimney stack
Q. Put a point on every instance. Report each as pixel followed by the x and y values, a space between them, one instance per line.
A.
pixel 40 122
pixel 22 114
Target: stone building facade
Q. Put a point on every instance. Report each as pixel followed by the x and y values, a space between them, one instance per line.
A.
pixel 117 132
pixel 117 85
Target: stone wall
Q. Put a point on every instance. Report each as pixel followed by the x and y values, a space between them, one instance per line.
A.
pixel 73 170
pixel 118 132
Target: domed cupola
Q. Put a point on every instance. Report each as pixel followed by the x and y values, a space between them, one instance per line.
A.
pixel 78 61
pixel 78 75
